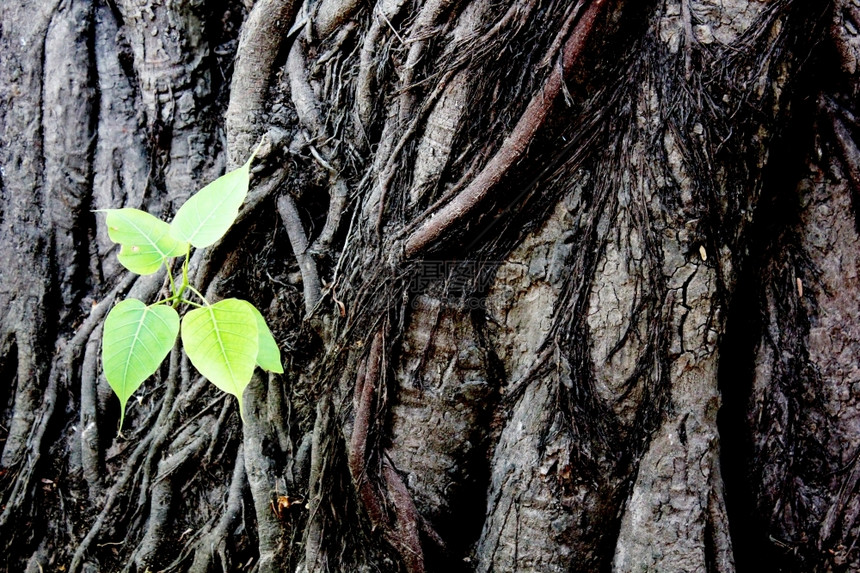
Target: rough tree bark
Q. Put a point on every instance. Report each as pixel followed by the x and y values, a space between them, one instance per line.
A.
pixel 560 286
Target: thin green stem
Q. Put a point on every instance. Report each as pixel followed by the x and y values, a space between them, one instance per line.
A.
pixel 178 294
pixel 200 296
pixel 191 303
pixel 256 149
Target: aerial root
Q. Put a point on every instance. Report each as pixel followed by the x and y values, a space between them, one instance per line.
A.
pixel 258 194
pixel 207 264
pixel 522 10
pixel 390 151
pixel 366 80
pixel 315 528
pixel 308 109
pixel 215 540
pixel 215 433
pixel 299 241
pixel 161 430
pixel 128 474
pixel 422 30
pixel 363 405
pixel 138 468
pixel 259 43
pixel 188 447
pixel 68 352
pixel 332 14
pixel 89 428
pixel 837 510
pixel 263 469
pixel 402 530
pixel 513 148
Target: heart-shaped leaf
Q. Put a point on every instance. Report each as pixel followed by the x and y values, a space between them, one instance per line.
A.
pixel 268 353
pixel 221 342
pixel 145 240
pixel 137 338
pixel 207 214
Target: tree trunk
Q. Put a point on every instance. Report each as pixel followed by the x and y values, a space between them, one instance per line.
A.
pixel 558 286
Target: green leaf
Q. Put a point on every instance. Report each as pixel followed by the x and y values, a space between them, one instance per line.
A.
pixel 268 354
pixel 145 240
pixel 136 340
pixel 207 214
pixel 221 342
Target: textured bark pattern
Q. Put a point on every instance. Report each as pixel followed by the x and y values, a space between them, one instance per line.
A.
pixel 438 422
pixel 803 410
pixel 560 286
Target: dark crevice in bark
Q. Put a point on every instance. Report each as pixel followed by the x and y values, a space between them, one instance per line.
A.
pixel 774 247
pixel 222 30
pixel 753 551
pixel 777 213
pixel 69 140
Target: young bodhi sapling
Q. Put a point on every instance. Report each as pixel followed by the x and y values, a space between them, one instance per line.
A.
pixel 225 341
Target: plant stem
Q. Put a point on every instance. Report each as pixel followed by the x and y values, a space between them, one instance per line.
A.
pixel 256 149
pixel 185 265
pixel 177 296
pixel 200 296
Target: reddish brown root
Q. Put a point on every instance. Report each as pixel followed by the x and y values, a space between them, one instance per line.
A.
pixel 401 528
pixel 514 146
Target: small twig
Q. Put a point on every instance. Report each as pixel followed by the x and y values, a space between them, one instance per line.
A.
pixel 393 30
pixel 200 296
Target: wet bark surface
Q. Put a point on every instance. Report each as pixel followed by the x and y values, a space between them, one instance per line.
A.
pixel 558 286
